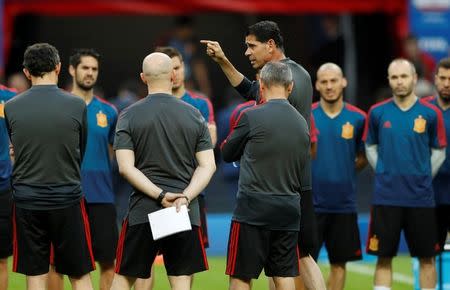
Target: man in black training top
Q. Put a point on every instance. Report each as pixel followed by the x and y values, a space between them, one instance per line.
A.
pixel 47 127
pixel 164 150
pixel 266 219
pixel 265 43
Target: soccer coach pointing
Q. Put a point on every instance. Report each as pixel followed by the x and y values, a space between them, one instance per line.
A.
pixel 164 150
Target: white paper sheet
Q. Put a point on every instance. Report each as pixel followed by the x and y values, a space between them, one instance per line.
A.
pixel 168 221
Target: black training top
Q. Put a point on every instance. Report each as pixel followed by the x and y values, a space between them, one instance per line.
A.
pixel 272 143
pixel 47 127
pixel 164 133
pixel 300 98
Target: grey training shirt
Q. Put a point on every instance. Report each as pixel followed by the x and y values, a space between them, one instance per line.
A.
pixel 164 133
pixel 272 143
pixel 48 128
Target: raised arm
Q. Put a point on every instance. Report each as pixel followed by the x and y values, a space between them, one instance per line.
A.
pixel 214 50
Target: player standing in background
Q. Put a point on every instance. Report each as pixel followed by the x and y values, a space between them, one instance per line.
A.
pixel 405 144
pixel 340 152
pixel 5 191
pixel 441 183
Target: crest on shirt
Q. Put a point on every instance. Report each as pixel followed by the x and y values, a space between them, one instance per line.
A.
pixel 387 124
pixel 347 131
pixel 420 124
pixel 102 120
pixel 2 109
pixel 373 243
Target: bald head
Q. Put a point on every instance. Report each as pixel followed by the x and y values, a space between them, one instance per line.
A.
pixel 157 72
pixel 157 65
pixel 401 62
pixel 329 66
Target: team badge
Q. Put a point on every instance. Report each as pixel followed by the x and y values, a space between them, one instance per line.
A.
pixel 347 131
pixel 102 120
pixel 387 124
pixel 420 124
pixel 2 109
pixel 373 243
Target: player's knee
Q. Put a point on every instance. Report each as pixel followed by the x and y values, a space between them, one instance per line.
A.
pixel 338 267
pixel 106 266
pixel 3 262
pixel 384 262
pixel 426 262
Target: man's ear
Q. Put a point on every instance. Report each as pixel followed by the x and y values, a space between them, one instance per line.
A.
pixel 58 69
pixel 142 75
pixel 290 88
pixel 72 71
pixel 27 74
pixel 272 45
pixel 344 82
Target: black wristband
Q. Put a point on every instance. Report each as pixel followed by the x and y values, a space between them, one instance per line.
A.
pixel 161 196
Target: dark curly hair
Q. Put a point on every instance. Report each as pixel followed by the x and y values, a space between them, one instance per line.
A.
pixel 40 58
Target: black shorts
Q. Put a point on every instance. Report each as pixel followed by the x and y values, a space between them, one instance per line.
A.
pixel 418 224
pixel 340 233
pixel 252 248
pixel 203 221
pixel 5 224
pixel 104 233
pixel 307 237
pixel 184 253
pixel 443 222
pixel 67 229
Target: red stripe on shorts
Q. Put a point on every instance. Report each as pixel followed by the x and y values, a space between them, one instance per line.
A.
pixel 87 231
pixel 15 245
pixel 230 247
pixel 120 244
pixel 298 258
pixel 200 237
pixel 236 241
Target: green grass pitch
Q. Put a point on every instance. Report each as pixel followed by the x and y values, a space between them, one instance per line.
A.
pixel 359 276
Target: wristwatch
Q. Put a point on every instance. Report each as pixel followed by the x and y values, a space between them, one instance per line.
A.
pixel 161 196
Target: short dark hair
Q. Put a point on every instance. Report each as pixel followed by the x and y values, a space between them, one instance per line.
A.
pixel 170 51
pixel 77 54
pixel 266 30
pixel 443 63
pixel 276 74
pixel 40 58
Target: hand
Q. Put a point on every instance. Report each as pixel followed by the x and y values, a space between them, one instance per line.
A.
pixel 214 50
pixel 181 201
pixel 169 199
